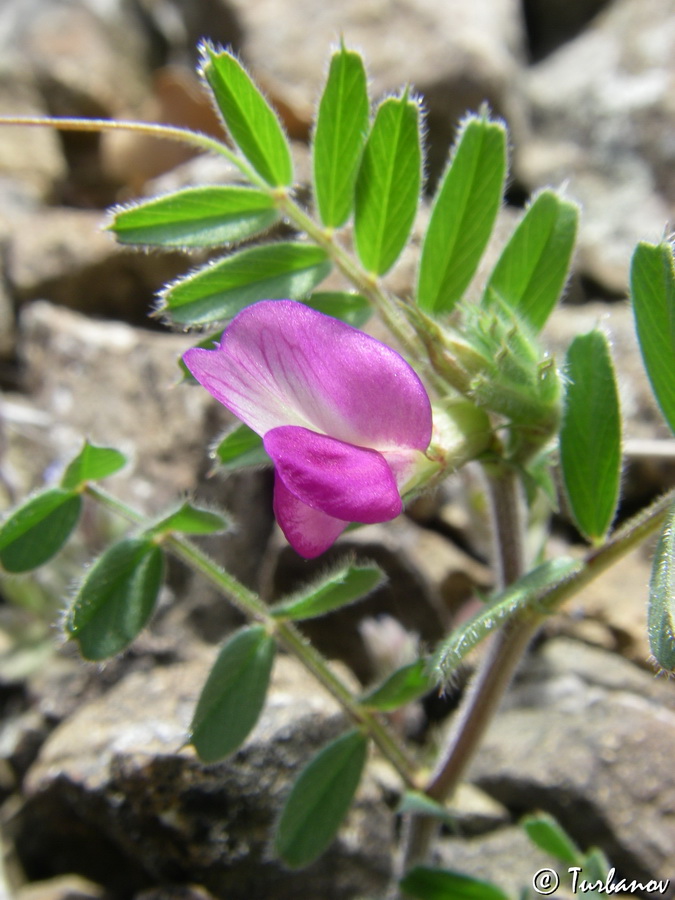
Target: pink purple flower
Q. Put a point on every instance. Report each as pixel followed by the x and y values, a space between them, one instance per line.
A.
pixel 343 417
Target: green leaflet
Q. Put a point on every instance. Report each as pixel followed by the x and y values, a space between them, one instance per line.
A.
pixel 533 267
pixel 234 694
pixel 341 127
pixel 239 448
pixel 37 530
pixel 388 184
pixel 344 586
pixel 189 519
pixel 424 883
pixel 652 282
pixel 220 290
pixel 661 610
pixel 116 598
pixel 463 214
pixel 403 686
pixel 249 118
pixel 547 834
pixel 524 595
pixel 320 799
pixel 590 436
pixel 196 217
pixel 92 464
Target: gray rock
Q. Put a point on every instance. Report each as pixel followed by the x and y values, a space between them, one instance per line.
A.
pixel 602 123
pixel 588 738
pixel 63 255
pixel 551 23
pixel 457 54
pixel 505 857
pixel 71 362
pixel 117 797
pixel 165 427
pixel 63 887
pixel 87 57
pixel 31 156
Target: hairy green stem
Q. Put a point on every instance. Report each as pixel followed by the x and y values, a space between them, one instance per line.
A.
pixel 253 607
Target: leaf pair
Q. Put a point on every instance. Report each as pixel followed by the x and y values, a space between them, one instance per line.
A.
pixel 533 266
pixel 228 708
pixel 119 593
pixel 38 529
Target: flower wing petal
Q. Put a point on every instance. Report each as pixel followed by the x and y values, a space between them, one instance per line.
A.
pixel 310 532
pixel 282 363
pixel 347 482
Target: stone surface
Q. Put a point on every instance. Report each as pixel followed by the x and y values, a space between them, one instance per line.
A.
pixel 63 887
pixel 602 123
pixel 60 42
pixel 457 55
pixel 72 362
pixel 116 796
pixel 597 735
pixel 504 857
pixel 63 255
pixel 551 23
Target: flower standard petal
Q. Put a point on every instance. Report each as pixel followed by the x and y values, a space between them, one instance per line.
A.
pixel 354 484
pixel 310 532
pixel 282 363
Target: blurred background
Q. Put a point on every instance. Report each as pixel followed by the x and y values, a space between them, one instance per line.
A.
pixel 92 773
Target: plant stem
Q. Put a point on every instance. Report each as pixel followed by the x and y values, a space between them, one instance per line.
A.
pixel 253 607
pixel 196 139
pixel 496 669
pixel 503 655
pixel 367 283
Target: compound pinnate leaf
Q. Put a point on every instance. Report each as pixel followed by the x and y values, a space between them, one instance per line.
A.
pixel 320 799
pixel 463 215
pixel 92 464
pixel 249 118
pixel 652 281
pixel 424 883
pixel 234 694
pixel 525 594
pixel 116 598
pixel 37 530
pixel 220 290
pixel 590 437
pixel 388 184
pixel 196 217
pixel 533 267
pixel 661 611
pixel 345 586
pixel 341 127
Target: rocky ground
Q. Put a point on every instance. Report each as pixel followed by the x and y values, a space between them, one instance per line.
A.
pixel 100 799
